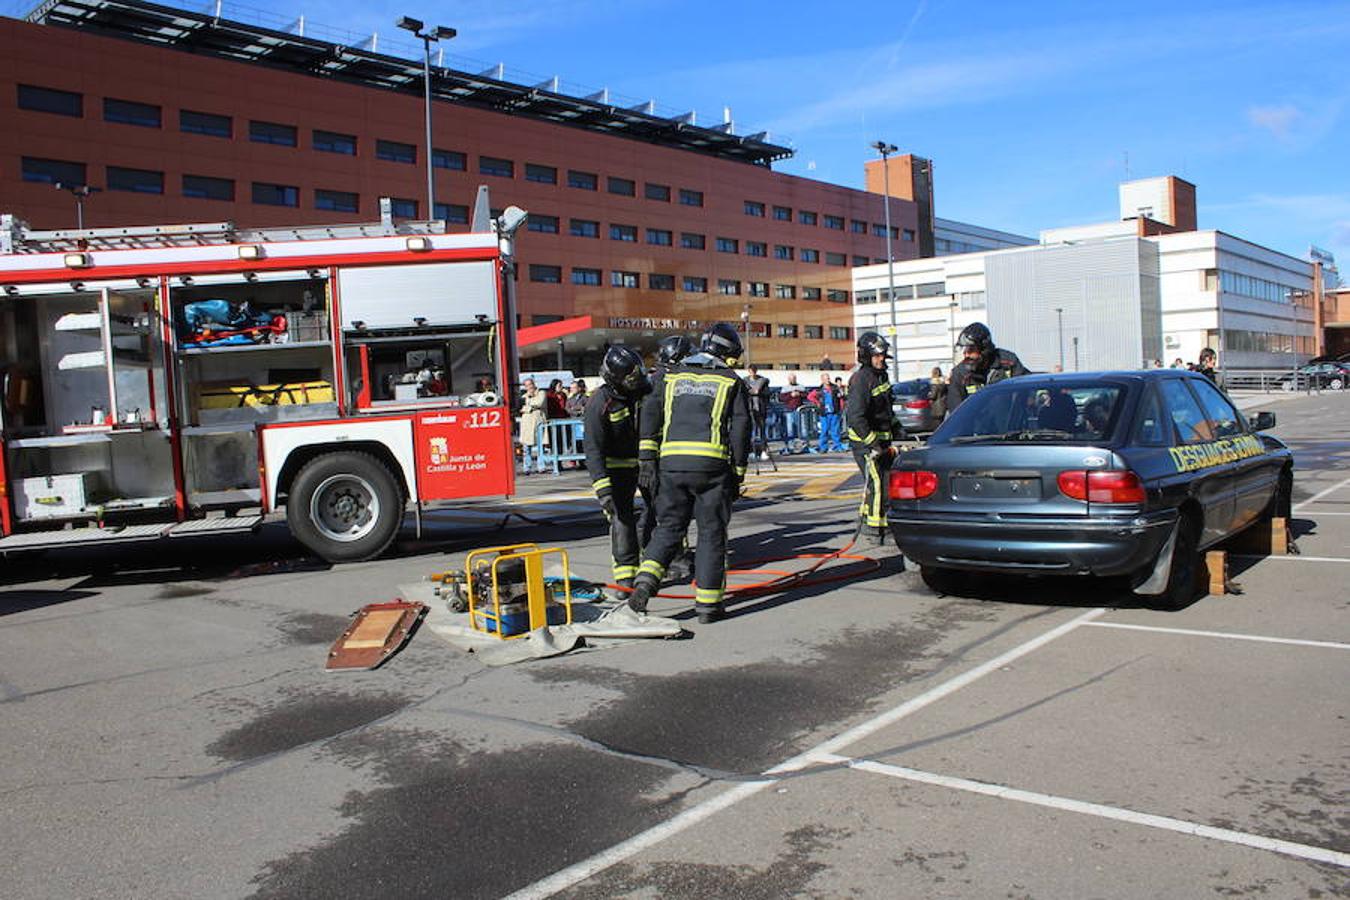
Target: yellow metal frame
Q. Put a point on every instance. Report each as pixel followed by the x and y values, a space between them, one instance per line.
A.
pixel 535 590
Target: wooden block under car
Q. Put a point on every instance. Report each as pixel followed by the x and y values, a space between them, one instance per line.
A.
pixel 376 632
pixel 1264 538
pixel 1216 562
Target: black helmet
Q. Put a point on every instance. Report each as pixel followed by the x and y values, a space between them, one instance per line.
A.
pixel 722 341
pixel 976 335
pixel 869 345
pixel 623 371
pixel 673 349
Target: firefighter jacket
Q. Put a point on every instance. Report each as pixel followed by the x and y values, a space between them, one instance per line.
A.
pixel 697 418
pixel 966 379
pixel 871 421
pixel 611 438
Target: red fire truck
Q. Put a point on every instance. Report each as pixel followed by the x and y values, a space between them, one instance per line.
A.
pixel 198 379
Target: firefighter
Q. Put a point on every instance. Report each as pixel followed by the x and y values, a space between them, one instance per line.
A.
pixel 612 452
pixel 982 364
pixel 669 352
pixel 871 428
pixel 696 441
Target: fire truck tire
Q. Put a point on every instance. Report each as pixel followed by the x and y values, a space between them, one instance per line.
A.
pixel 346 507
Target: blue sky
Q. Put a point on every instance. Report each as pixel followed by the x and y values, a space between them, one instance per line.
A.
pixel 1028 110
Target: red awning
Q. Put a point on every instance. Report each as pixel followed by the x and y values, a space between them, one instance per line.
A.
pixel 538 334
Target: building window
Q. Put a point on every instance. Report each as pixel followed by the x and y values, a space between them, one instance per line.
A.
pixel 690 198
pixel 586 181
pixel 835 259
pixel 586 277
pixel 878 230
pixel 275 194
pixel 858 226
pixel 451 213
pixel 657 192
pixel 204 187
pixel 840 333
pixel 541 174
pixel 542 224
pixel 499 168
pixel 758 289
pixel 810 293
pixel 729 287
pixel 806 218
pixel 53 171
pixel 1250 286
pixel 395 151
pixel 584 228
pixel 834 222
pixel 754 208
pixel 861 260
pixel 449 159
pixel 208 124
pixel 335 201
pixel 626 233
pixel 621 279
pixel 50 100
pixel 907 235
pixel 814 332
pixel 756 248
pixel 661 282
pixel 931 289
pixel 695 285
pixel 782 213
pixel 971 299
pixel 546 274
pixel 836 296
pixel 862 298
pixel 785 291
pixel 878 260
pixel 272 133
pixel 129 112
pixel 728 245
pixel 334 142
pixel 137 181
pixel 691 241
pixel 782 251
pixel 810 256
pixel 624 187
pixel 660 238
pixel 403 207
pixel 787 331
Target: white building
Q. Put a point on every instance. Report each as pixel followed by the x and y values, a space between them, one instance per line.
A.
pixel 950 236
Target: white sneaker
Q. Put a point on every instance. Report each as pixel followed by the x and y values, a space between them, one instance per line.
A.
pixel 764 456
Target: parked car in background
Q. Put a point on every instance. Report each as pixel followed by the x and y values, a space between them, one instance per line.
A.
pixel 1332 376
pixel 1113 473
pixel 912 406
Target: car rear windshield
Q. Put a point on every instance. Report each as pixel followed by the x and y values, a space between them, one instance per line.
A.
pixel 911 388
pixel 1062 411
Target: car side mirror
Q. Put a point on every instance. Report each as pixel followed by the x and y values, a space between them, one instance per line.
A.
pixel 1263 421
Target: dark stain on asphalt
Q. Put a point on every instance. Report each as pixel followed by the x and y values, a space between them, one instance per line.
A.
pixel 789 875
pixel 456 824
pixel 302 720
pixel 1310 809
pixel 747 718
pixel 312 628
pixel 174 591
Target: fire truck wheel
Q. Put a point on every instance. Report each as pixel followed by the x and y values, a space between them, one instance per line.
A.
pixel 346 507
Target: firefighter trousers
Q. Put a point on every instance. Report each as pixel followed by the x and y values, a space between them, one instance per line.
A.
pixel 623 528
pixel 706 498
pixel 872 512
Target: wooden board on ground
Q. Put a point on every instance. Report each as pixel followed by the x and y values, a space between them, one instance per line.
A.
pixel 376 632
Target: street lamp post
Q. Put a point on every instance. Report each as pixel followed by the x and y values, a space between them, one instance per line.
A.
pixel 1059 315
pixel 438 33
pixel 745 320
pixel 886 150
pixel 79 192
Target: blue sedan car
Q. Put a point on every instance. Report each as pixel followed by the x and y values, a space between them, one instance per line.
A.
pixel 1103 473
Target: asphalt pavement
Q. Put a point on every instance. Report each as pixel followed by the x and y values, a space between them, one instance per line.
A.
pixel 169 729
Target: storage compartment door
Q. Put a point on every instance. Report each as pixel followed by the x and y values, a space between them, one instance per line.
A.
pixel 463 453
pixel 381 297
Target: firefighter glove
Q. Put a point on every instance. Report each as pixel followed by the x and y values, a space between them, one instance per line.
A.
pixel 607 507
pixel 647 475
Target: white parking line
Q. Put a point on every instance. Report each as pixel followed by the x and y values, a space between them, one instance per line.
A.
pixel 577 872
pixel 1291 558
pixel 1319 495
pixel 1289 848
pixel 1232 636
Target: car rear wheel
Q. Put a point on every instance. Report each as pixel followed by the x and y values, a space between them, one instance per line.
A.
pixel 1185 575
pixel 1336 384
pixel 940 580
pixel 346 507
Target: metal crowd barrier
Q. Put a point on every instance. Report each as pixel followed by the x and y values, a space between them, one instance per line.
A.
pixel 1265 380
pixel 560 442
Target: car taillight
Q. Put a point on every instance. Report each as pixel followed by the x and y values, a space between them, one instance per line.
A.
pixel 909 484
pixel 1102 486
pixel 918 404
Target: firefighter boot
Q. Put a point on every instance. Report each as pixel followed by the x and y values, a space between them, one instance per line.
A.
pixel 709 612
pixel 625 588
pixel 643 588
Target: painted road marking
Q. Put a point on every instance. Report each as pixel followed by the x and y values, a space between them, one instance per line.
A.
pixel 1232 636
pixel 578 872
pixel 1318 496
pixel 1288 848
pixel 1339 559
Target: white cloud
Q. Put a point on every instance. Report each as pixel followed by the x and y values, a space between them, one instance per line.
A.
pixel 1278 120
